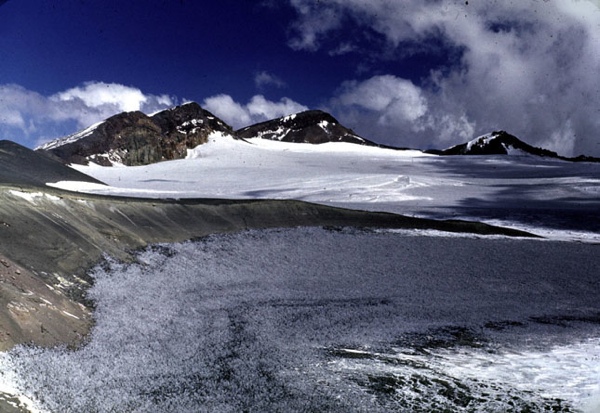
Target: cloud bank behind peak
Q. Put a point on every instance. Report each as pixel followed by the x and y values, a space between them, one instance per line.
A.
pixel 528 67
pixel 32 118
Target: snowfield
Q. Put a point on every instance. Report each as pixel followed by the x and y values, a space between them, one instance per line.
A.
pixel 340 319
pixel 552 198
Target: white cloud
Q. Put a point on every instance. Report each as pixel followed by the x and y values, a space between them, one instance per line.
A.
pixel 258 109
pixel 342 49
pixel 314 22
pixel 263 79
pixel 528 67
pixel 396 111
pixel 12 118
pixel 106 99
pixel 394 98
pixel 264 109
pixel 98 94
pixel 31 118
pixel 223 106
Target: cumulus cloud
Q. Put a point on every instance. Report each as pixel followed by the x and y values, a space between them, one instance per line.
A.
pixel 258 109
pixel 31 118
pixel 393 98
pixel 527 67
pixel 99 100
pixel 396 111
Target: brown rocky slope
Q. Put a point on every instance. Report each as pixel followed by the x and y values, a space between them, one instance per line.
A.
pixel 133 138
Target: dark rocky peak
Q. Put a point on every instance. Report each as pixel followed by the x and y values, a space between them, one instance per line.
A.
pixel 133 138
pixel 189 118
pixel 497 143
pixel 117 139
pixel 313 126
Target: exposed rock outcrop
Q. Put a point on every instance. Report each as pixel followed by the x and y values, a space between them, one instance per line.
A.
pixel 133 138
pixel 313 126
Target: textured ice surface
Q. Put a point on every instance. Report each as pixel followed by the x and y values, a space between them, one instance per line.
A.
pixel 331 320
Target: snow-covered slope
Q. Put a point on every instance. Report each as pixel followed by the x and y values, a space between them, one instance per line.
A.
pixel 258 168
pixel 550 197
pixel 70 138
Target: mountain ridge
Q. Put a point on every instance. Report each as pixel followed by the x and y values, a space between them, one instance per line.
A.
pixel 497 143
pixel 503 143
pixel 133 138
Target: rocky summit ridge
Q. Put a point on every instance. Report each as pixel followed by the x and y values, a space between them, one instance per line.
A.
pixel 497 143
pixel 133 138
pixel 311 126
pixel 503 143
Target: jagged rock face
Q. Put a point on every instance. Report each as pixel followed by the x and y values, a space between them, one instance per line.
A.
pixel 133 138
pixel 497 143
pixel 186 127
pixel 313 126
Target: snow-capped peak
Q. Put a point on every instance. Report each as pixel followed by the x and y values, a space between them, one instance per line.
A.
pixel 70 138
pixel 312 126
pixel 482 140
pixel 497 143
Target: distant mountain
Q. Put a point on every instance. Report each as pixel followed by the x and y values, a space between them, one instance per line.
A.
pixel 133 138
pixel 312 126
pixel 503 143
pixel 497 143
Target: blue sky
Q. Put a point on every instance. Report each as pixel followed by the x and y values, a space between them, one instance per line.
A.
pixel 408 73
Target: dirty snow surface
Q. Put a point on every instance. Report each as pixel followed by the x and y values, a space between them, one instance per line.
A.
pixel 339 319
pixel 332 320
